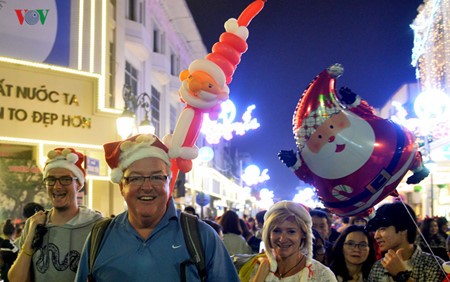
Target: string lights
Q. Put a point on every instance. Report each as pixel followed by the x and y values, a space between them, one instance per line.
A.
pixel 432 45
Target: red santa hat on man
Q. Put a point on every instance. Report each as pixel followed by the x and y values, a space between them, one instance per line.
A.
pixel 66 158
pixel 121 154
pixel 318 103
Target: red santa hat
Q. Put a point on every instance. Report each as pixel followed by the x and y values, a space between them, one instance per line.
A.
pixel 121 154
pixel 226 54
pixel 66 158
pixel 318 103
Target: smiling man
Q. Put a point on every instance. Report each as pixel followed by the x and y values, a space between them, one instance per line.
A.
pixel 395 232
pixel 146 242
pixel 52 240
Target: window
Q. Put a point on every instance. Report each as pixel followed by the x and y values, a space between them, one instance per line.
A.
pixel 131 77
pixel 158 40
pixel 131 10
pixel 111 73
pixel 135 11
pixel 155 109
pixel 174 64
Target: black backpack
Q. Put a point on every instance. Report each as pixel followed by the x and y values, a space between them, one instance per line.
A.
pixel 189 225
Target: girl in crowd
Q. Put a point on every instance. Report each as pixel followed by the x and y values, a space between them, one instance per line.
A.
pixel 432 241
pixel 251 240
pixel 287 236
pixel 232 234
pixel 443 226
pixel 353 255
pixel 252 225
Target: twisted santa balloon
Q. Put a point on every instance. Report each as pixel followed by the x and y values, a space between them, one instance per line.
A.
pixel 205 86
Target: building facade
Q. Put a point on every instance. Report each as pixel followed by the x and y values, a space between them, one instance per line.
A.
pixel 424 108
pixel 63 67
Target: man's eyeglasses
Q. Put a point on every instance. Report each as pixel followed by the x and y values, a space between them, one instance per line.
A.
pixel 63 180
pixel 138 180
pixel 360 245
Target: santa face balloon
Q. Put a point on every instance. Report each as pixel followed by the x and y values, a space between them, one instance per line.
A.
pixel 352 157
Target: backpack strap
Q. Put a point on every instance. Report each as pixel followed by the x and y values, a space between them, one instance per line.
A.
pixel 97 232
pixel 189 225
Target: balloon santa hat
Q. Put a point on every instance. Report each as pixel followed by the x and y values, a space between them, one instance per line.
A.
pixel 205 86
pixel 352 157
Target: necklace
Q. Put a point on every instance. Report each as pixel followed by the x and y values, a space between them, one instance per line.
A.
pixel 286 272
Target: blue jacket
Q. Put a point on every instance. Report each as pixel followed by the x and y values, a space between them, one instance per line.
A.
pixel 124 256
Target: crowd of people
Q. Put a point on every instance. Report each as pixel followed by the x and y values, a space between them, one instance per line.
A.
pixel 288 242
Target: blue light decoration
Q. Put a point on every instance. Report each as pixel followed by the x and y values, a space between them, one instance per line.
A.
pixel 225 127
pixel 205 154
pixel 253 175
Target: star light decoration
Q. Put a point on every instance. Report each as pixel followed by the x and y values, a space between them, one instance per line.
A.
pixel 225 127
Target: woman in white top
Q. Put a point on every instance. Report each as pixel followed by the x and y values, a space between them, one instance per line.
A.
pixel 287 236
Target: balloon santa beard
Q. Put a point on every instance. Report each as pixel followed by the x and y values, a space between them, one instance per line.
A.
pixel 352 157
pixel 205 86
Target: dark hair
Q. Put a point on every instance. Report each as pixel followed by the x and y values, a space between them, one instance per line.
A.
pixel 253 228
pixel 31 208
pixel 448 244
pixel 327 212
pixel 338 265
pixel 245 231
pixel 214 225
pixel 230 223
pixel 190 209
pixel 395 214
pixel 321 214
pixel 354 219
pixel 441 222
pixel 260 217
pixel 425 228
pixel 8 228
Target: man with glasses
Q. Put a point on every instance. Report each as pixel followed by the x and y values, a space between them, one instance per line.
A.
pixel 395 233
pixel 52 240
pixel 146 242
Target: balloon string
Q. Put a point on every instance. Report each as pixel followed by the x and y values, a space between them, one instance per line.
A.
pixel 250 12
pixel 422 236
pixel 174 169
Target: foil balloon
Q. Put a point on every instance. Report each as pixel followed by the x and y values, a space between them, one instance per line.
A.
pixel 204 86
pixel 352 157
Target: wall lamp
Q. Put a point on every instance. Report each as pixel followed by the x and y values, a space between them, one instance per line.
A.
pixel 127 123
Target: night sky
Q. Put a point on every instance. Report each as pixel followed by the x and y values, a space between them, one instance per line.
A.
pixel 290 42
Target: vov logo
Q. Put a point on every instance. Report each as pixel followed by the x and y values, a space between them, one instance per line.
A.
pixel 32 17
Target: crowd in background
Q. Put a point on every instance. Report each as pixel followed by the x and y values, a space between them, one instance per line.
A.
pixel 10 232
pixel 341 243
